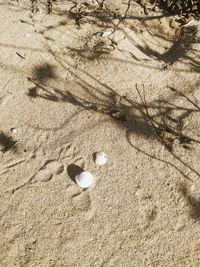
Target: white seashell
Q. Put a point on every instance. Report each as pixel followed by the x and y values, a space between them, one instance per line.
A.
pixel 100 158
pixel 84 179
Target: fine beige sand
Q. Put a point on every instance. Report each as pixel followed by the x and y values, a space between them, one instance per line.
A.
pixel 77 81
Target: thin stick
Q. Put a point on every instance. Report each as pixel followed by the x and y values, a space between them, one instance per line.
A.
pixel 17 142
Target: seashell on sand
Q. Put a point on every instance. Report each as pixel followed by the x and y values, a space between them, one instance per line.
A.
pixel 100 158
pixel 84 179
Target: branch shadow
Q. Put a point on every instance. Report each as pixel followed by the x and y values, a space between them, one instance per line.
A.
pixel 181 49
pixel 98 14
pixel 161 120
pixel 193 203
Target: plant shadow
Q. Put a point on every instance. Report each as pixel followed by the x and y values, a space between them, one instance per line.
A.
pixel 161 120
pixel 193 203
pixel 150 120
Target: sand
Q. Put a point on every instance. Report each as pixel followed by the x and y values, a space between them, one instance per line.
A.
pixel 73 85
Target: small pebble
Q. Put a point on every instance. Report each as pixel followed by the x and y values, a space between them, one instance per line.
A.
pixel 100 158
pixel 84 179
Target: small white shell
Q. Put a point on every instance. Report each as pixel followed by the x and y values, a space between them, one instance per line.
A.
pixel 84 179
pixel 100 158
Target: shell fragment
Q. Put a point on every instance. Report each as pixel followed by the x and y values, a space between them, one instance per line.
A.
pixel 100 158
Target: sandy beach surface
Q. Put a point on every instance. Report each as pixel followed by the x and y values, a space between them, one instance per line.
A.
pixel 80 77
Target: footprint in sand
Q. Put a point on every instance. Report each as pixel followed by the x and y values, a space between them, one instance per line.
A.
pixel 81 201
pixel 68 154
pixel 79 198
pixel 49 170
pixel 65 155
